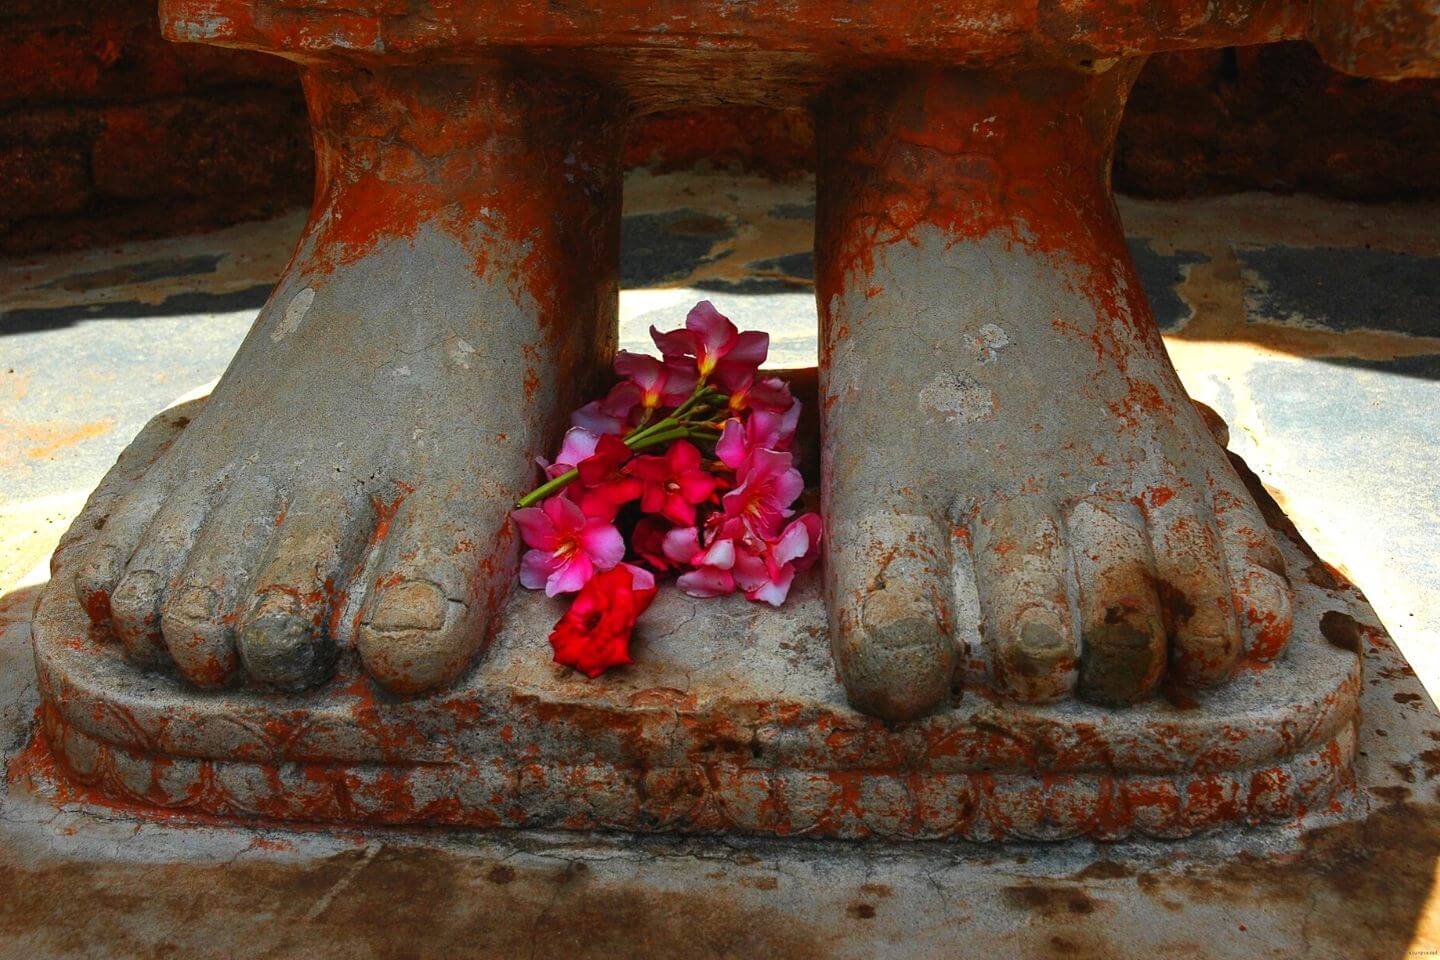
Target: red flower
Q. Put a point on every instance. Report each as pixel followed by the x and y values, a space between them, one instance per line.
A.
pixel 647 542
pixel 674 482
pixel 594 635
pixel 604 488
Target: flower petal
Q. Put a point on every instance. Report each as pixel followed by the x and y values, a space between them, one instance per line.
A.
pixel 640 578
pixel 683 455
pixel 565 515
pixel 741 358
pixel 815 529
pixel 593 418
pixel 696 485
pixel 642 369
pixel 793 544
pixel 536 528
pixel 602 543
pixel 706 582
pixel 578 445
pixel 675 345
pixel 570 575
pixel 774 591
pixel 720 555
pixel 713 329
pixel 788 487
pixel 732 448
pixel 535 568
pixel 682 544
pixel 621 400
pixel 679 511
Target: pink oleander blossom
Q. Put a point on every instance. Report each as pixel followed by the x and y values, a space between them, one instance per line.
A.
pixel 765 569
pixel 710 566
pixel 761 430
pixel 579 444
pixel 567 547
pixel 767 393
pixel 660 384
pixel 767 483
pixel 713 345
pixel 611 414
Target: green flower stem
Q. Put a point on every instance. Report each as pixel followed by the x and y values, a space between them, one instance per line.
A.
pixel 674 427
pixel 548 487
pixel 662 432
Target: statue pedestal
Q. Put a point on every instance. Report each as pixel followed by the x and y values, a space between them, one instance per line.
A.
pixel 731 720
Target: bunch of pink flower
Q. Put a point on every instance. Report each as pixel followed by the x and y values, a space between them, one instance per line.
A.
pixel 684 467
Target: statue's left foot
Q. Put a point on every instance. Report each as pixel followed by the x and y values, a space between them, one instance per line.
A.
pixel 993 384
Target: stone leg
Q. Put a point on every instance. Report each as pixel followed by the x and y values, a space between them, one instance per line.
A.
pixel 347 484
pixel 997 405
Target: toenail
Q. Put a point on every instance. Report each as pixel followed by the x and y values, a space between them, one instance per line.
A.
pixel 280 644
pixel 139 587
pixel 1042 647
pixel 195 604
pixel 899 619
pixel 1121 664
pixel 101 570
pixel 410 605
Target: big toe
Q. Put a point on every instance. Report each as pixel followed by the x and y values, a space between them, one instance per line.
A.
pixel 427 610
pixel 1121 621
pixel 889 617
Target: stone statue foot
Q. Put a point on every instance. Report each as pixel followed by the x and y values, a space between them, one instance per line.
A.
pixel 348 483
pixel 998 406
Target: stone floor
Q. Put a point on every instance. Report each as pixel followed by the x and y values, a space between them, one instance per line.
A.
pixel 1313 327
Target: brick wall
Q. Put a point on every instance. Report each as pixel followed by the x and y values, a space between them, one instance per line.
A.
pixel 1276 118
pixel 108 132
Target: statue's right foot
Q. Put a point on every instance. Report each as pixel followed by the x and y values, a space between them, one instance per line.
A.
pixel 350 479
pixel 993 383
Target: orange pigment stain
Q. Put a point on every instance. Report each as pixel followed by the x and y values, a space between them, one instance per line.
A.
pixel 1159 496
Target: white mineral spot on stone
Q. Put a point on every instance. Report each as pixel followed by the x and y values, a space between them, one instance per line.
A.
pixel 966 596
pixel 958 398
pixel 990 342
pixel 460 351
pixel 294 313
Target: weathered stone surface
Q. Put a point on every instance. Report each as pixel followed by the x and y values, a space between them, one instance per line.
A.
pixel 731 721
